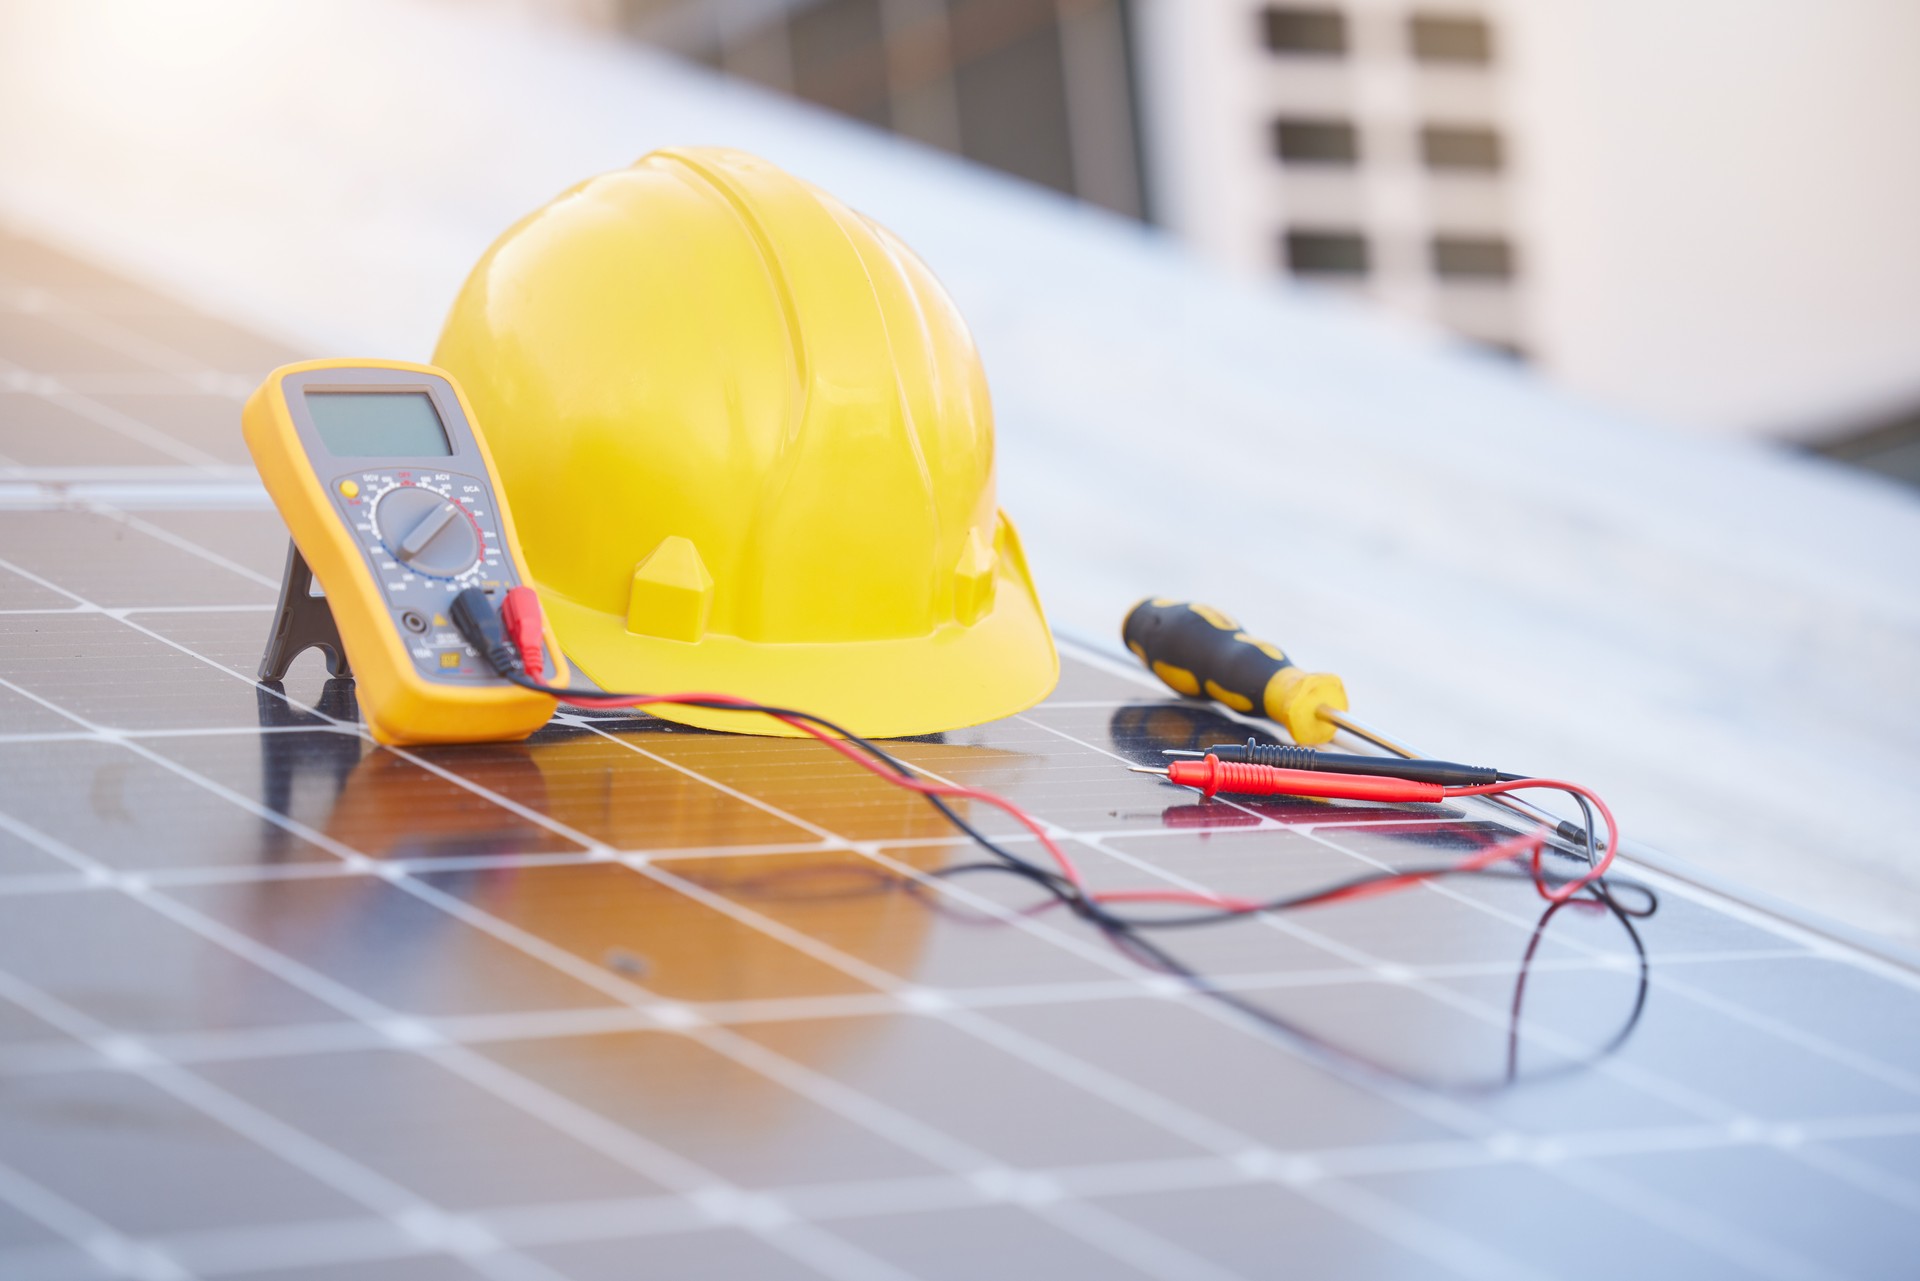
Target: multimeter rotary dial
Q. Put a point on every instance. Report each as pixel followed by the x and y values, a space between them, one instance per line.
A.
pixel 427 532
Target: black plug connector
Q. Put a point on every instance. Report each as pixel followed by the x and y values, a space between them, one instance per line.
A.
pixel 479 621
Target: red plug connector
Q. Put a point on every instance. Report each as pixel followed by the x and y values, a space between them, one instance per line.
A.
pixel 1214 775
pixel 520 615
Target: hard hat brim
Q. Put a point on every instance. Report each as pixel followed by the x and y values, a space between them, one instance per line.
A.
pixel 956 676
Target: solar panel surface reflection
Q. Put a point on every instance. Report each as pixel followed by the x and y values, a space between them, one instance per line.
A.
pixel 275 1002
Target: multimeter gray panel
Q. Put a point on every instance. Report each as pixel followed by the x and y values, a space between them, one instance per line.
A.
pixel 427 525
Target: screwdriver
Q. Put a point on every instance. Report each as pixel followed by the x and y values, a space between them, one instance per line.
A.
pixel 1201 652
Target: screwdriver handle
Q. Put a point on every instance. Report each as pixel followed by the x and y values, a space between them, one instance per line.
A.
pixel 1200 652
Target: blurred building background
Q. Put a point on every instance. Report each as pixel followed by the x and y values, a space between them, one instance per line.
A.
pixel 1699 211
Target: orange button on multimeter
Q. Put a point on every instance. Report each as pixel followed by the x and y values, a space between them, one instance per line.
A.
pixel 385 482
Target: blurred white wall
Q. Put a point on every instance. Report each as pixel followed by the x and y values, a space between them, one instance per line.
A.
pixel 1725 200
pixel 1716 202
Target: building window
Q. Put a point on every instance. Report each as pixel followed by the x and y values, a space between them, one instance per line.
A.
pixel 1316 142
pixel 1326 253
pixel 1444 37
pixel 1472 147
pixel 1472 258
pixel 1291 29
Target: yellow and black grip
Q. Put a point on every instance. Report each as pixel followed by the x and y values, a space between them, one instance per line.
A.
pixel 1200 652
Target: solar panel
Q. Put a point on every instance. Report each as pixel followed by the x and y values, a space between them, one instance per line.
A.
pixel 632 1000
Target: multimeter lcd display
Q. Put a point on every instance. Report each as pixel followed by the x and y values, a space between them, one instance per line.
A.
pixel 378 424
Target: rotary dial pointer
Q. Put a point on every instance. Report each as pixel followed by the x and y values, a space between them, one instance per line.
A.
pixel 426 532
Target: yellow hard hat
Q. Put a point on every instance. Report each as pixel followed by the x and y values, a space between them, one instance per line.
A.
pixel 749 449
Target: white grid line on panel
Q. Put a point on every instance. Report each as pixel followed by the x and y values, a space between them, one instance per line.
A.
pixel 120 1255
pixel 64 393
pixel 406 1210
pixel 186 545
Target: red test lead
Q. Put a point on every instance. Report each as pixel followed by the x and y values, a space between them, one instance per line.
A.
pixel 1214 775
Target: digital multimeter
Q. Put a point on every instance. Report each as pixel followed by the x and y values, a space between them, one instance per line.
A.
pixel 387 487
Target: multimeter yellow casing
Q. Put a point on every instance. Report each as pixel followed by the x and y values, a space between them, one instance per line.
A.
pixel 386 485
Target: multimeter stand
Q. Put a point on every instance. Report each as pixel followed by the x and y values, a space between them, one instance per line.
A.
pixel 301 621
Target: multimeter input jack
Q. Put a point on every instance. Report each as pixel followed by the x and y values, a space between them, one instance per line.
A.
pixel 413 621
